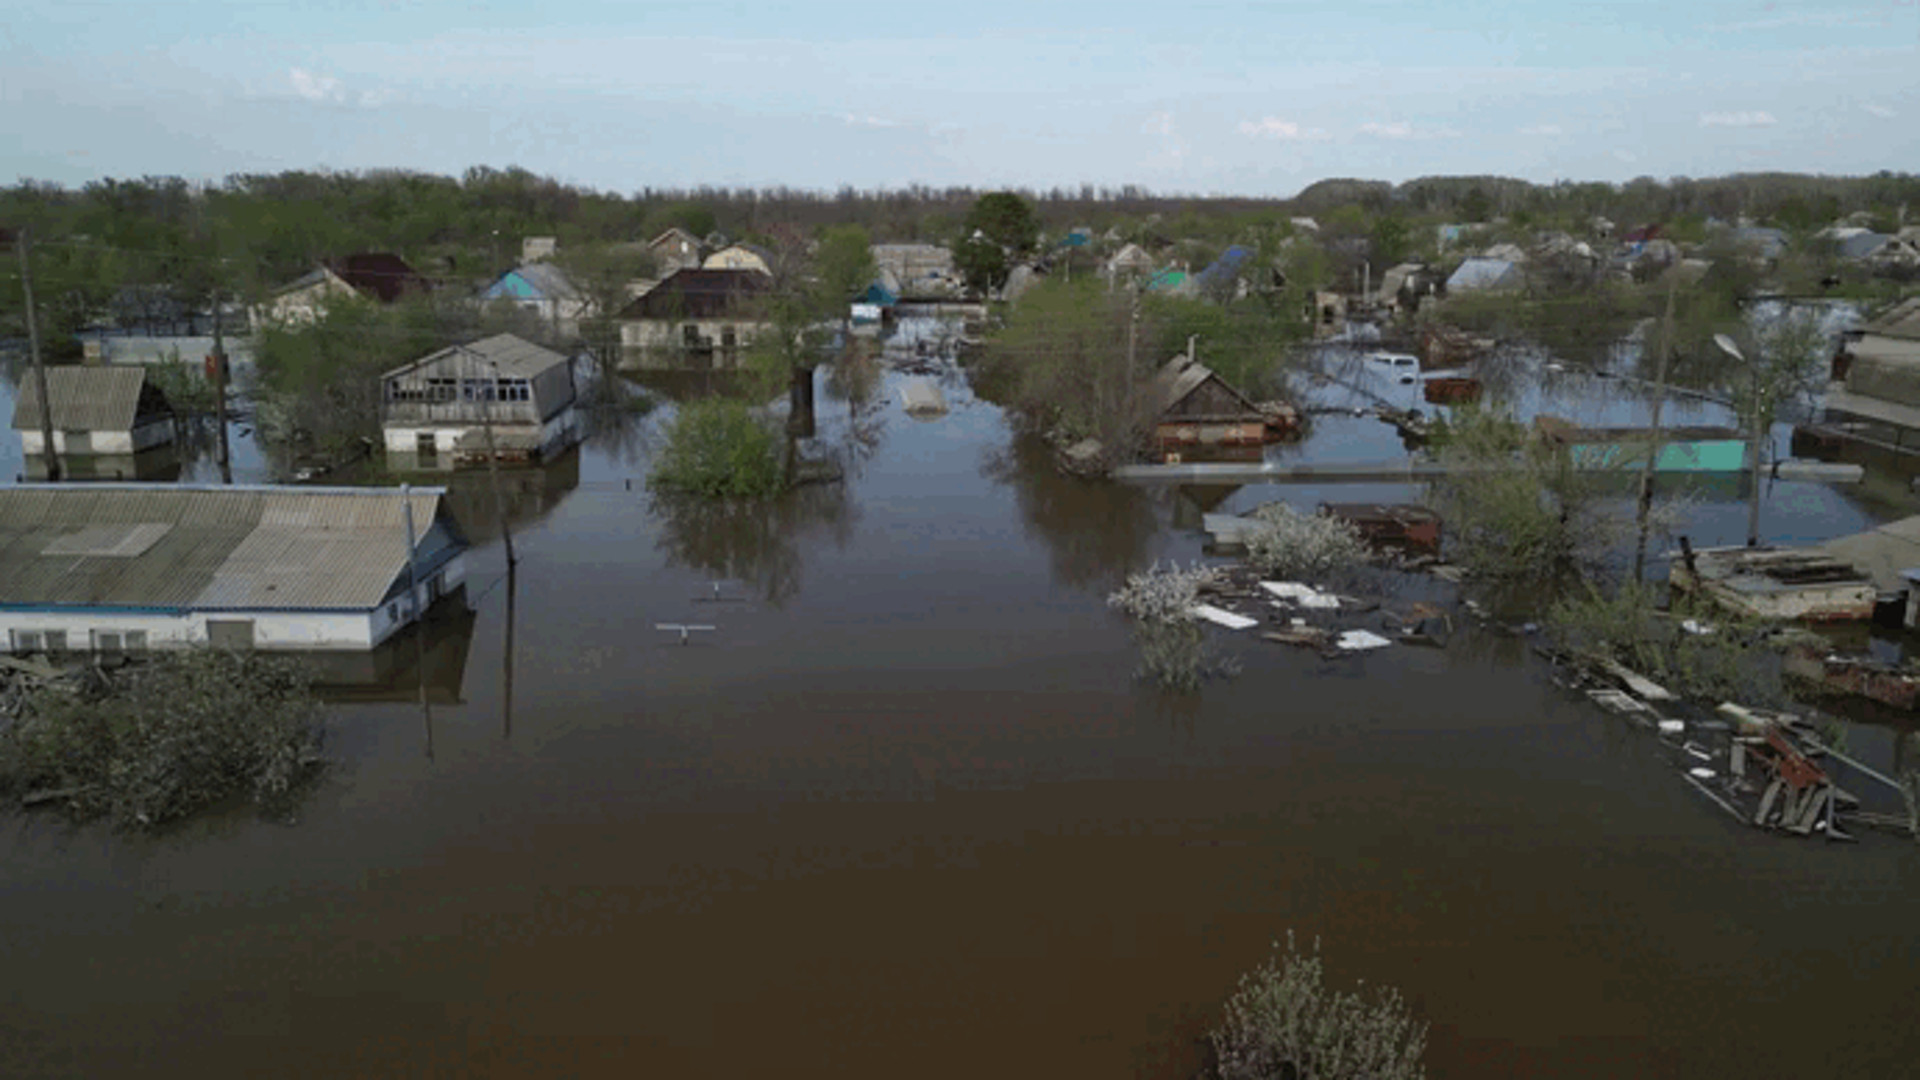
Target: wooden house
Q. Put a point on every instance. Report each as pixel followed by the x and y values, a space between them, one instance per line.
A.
pixel 1198 410
pixel 676 249
pixel 97 410
pixel 436 410
pixel 696 317
pixel 120 568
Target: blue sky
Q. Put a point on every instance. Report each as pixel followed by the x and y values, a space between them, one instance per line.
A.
pixel 1198 97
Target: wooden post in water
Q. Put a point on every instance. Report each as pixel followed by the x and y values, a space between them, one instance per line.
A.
pixel 21 244
pixel 417 610
pixel 1653 445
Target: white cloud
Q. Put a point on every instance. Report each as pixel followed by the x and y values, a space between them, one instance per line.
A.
pixel 1880 111
pixel 1272 127
pixel 1400 129
pixel 871 121
pixel 1160 123
pixel 313 87
pixel 1544 131
pixel 1755 118
pixel 1627 156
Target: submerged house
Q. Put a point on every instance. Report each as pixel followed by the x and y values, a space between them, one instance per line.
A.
pixel 381 277
pixel 701 317
pixel 1877 394
pixel 118 568
pixel 437 410
pixel 1198 410
pixel 97 410
pixel 1776 583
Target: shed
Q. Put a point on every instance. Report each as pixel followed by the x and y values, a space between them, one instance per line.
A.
pixel 127 567
pixel 96 409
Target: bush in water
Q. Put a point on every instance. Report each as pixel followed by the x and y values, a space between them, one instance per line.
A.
pixel 1283 1021
pixel 717 450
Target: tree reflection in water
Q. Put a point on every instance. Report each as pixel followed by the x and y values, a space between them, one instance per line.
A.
pixel 1096 532
pixel 758 541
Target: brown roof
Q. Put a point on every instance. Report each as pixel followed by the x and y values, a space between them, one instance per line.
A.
pixel 1179 378
pixel 176 546
pixel 699 294
pixel 380 275
pixel 92 398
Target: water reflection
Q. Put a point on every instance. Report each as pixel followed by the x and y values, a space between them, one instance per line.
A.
pixel 1095 532
pixel 430 659
pixel 527 493
pixel 758 541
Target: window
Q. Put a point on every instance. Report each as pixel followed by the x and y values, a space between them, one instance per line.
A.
pixel 39 641
pixel 107 641
pixel 135 640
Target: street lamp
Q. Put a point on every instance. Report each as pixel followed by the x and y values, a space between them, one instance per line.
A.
pixel 1728 346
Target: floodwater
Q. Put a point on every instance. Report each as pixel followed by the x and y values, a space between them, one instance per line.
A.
pixel 906 812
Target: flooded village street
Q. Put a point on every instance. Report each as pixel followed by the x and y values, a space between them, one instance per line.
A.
pixel 906 810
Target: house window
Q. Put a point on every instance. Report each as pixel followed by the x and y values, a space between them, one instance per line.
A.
pixel 727 338
pixel 39 641
pixel 118 642
pixel 690 335
pixel 442 390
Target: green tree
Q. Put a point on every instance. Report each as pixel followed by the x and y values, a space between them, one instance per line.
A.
pixel 718 450
pixel 842 267
pixel 1007 219
pixel 1285 1022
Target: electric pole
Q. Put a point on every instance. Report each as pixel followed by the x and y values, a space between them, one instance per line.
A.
pixel 220 391
pixel 493 457
pixel 39 368
pixel 1653 442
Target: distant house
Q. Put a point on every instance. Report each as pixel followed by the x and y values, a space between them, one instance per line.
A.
pixel 543 290
pixel 739 257
pixel 1506 252
pixel 1758 243
pixel 97 410
pixel 378 276
pixel 119 568
pixel 1129 262
pixel 676 249
pixel 1879 378
pixel 921 271
pixel 1850 242
pixel 436 410
pixel 1172 282
pixel 1402 286
pixel 1480 274
pixel 702 316
pixel 536 248
pixel 1225 277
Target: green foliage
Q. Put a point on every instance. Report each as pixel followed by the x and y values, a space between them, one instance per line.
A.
pixel 1284 1022
pixel 1732 661
pixel 1061 360
pixel 159 740
pixel 1245 342
pixel 981 262
pixel 843 266
pixel 185 385
pixel 1174 653
pixel 1516 510
pixel 1007 220
pixel 320 383
pixel 718 450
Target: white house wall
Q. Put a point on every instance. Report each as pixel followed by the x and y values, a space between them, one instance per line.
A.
pixel 145 437
pixel 273 631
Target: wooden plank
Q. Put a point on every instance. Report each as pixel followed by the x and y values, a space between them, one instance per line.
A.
pixel 1766 801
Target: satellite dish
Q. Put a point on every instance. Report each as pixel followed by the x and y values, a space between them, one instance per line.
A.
pixel 1727 346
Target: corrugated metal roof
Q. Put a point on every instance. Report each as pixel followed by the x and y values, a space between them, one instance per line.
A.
pixel 1902 322
pixel 516 357
pixel 205 548
pixel 544 280
pixel 93 398
pixel 1483 273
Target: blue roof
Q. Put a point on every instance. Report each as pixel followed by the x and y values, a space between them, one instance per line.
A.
pixel 878 294
pixel 1228 266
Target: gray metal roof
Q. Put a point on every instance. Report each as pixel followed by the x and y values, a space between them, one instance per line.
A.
pixel 184 547
pixel 549 281
pixel 516 357
pixel 92 398
pixel 1902 322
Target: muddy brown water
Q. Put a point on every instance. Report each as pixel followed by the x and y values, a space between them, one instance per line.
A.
pixel 905 812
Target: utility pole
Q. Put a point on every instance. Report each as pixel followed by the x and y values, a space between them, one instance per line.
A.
pixel 1754 435
pixel 1653 443
pixel 39 368
pixel 220 391
pixel 493 457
